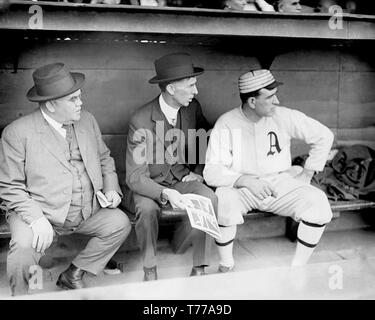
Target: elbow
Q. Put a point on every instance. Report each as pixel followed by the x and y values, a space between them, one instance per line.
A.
pixel 330 137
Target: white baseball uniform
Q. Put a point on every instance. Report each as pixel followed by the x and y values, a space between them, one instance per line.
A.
pixel 239 146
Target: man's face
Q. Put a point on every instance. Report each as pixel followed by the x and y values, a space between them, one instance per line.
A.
pixel 266 103
pixel 68 109
pixel 324 5
pixel 237 4
pixel 184 91
pixel 289 6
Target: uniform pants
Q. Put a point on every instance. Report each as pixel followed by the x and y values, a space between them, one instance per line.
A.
pixel 108 229
pixel 295 199
pixel 147 211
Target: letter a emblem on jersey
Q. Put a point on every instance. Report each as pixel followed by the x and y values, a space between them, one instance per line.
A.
pixel 274 143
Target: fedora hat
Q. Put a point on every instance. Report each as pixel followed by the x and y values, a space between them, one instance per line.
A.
pixel 54 81
pixel 175 66
pixel 257 79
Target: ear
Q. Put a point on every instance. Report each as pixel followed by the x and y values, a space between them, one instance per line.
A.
pixel 251 102
pixel 170 89
pixel 50 105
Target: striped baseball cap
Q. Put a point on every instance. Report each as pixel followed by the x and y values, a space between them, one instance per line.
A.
pixel 257 79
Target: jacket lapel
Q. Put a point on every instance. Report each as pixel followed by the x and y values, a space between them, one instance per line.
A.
pixel 187 121
pixel 82 139
pixel 160 127
pixel 48 139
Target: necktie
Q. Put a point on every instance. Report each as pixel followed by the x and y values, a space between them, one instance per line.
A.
pixel 69 132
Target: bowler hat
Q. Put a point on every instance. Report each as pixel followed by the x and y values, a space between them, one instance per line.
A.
pixel 54 81
pixel 175 66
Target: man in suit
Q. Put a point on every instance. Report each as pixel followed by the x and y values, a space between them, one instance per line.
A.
pixel 52 163
pixel 288 6
pixel 161 133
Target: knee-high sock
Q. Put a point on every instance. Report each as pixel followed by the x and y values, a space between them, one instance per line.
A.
pixel 225 245
pixel 308 236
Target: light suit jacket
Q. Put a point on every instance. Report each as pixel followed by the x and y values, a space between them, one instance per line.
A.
pixel 148 133
pixel 35 177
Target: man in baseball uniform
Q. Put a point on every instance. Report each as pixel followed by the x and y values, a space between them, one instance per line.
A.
pixel 249 161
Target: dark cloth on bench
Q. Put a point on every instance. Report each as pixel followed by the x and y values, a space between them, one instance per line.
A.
pixel 349 176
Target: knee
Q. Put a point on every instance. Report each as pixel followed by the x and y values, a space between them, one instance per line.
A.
pixel 147 210
pixel 20 255
pixel 221 192
pixel 318 201
pixel 20 243
pixel 120 222
pixel 213 197
pixel 315 197
pixel 227 197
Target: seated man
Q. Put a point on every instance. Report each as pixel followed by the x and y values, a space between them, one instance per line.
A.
pixel 248 159
pixel 161 133
pixel 152 3
pixel 247 5
pixel 105 2
pixel 324 5
pixel 52 164
pixel 288 6
pixel 350 6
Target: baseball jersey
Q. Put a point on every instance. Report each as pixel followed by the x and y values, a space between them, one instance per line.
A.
pixel 240 146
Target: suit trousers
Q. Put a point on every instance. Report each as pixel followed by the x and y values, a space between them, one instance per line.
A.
pixel 107 229
pixel 146 212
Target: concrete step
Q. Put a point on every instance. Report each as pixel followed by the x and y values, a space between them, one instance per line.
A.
pixel 341 279
pixel 250 255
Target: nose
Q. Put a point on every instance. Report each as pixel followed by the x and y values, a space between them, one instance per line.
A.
pixel 78 101
pixel 275 100
pixel 299 7
pixel 195 90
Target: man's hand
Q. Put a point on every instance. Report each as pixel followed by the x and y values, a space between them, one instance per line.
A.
pixel 114 197
pixel 260 188
pixel 305 176
pixel 175 198
pixel 192 177
pixel 42 234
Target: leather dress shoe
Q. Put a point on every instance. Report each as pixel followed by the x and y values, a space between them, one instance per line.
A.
pixel 197 271
pixel 150 274
pixel 71 278
pixel 225 269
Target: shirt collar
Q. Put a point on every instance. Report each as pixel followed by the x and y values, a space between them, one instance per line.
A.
pixel 52 122
pixel 55 124
pixel 169 112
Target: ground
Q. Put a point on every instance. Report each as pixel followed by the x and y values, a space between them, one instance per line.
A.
pixel 342 267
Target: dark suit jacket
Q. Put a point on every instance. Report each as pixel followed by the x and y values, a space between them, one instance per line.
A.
pixel 150 146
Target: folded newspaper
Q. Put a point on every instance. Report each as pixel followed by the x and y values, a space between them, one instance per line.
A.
pixel 201 214
pixel 103 201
